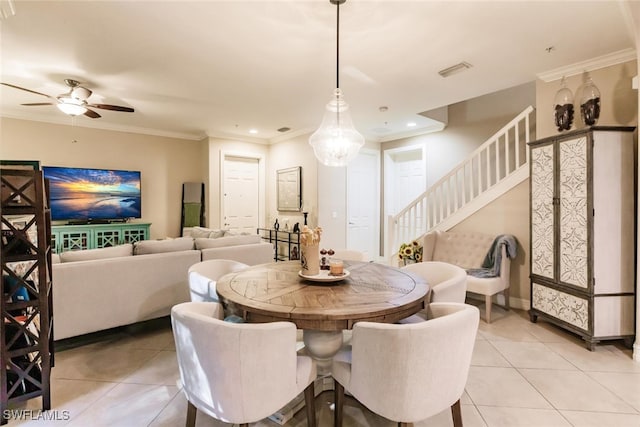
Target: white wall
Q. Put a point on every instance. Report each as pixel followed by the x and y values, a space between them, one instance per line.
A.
pixel 634 9
pixel 287 154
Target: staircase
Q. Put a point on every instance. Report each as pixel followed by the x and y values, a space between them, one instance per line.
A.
pixel 495 167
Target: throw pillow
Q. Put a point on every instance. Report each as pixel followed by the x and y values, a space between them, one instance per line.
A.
pixel 227 241
pixel 101 253
pixel 200 232
pixel 145 247
pixel 215 234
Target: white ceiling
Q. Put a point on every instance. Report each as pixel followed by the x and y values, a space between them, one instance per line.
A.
pixel 220 68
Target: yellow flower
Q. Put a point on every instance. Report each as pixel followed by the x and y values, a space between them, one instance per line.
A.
pixel 412 251
pixel 407 252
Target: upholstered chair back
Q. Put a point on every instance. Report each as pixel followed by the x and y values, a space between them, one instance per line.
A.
pixel 409 372
pixel 466 249
pixel 448 282
pixel 204 275
pixel 237 372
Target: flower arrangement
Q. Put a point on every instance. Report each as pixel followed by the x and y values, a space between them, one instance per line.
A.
pixel 410 252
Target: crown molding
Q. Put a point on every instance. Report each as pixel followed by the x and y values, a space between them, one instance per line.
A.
pixel 592 64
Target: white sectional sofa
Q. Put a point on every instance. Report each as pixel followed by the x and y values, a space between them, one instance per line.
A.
pixel 99 289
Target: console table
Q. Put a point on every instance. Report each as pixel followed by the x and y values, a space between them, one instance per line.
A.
pixel 290 240
pixel 93 236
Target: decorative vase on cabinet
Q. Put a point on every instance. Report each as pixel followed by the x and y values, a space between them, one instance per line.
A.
pixel 582 232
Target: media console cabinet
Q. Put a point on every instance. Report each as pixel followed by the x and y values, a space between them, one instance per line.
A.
pixel 93 236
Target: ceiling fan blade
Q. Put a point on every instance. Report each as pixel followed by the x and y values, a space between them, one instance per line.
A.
pixel 33 104
pixel 27 90
pixel 92 114
pixel 112 107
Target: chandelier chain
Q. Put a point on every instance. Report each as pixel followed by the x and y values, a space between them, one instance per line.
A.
pixel 338 46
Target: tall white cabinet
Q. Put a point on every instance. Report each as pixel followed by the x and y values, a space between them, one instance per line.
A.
pixel 582 232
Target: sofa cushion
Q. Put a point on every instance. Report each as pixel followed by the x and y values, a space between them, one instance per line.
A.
pixel 101 253
pixel 199 232
pixel 159 246
pixel 202 243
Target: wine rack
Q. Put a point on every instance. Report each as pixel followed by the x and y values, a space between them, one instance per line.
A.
pixel 26 331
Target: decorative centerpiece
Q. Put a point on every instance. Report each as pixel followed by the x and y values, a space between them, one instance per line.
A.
pixel 410 253
pixel 590 103
pixel 309 250
pixel 563 107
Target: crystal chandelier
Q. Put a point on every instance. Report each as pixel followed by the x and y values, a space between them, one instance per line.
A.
pixel 336 142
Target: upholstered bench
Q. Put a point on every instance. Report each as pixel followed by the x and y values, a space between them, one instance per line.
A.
pixel 469 250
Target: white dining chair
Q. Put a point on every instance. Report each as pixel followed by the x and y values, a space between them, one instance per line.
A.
pixel 448 282
pixel 238 372
pixel 409 372
pixel 204 275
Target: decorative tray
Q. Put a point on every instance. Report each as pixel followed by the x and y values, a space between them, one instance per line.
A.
pixel 324 276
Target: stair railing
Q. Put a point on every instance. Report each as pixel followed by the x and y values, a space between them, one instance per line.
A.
pixel 502 157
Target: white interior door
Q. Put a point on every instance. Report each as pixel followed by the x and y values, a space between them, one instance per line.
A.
pixel 405 178
pixel 409 178
pixel 363 206
pixel 241 194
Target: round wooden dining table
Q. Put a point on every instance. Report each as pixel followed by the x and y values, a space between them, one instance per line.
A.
pixel 275 292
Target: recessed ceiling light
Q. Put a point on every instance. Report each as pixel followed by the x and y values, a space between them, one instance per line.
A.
pixel 411 124
pixel 253 131
pixel 454 69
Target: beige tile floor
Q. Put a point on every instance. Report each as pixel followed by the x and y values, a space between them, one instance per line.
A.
pixel 522 374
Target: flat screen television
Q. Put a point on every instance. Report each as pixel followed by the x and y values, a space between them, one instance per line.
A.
pixel 82 194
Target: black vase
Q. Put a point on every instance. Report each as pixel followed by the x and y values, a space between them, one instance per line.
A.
pixel 563 107
pixel 590 103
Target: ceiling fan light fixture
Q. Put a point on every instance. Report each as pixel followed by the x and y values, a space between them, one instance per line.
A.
pixel 336 142
pixel 80 92
pixel 71 106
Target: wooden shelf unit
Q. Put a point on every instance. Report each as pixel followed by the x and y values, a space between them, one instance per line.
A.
pixel 26 330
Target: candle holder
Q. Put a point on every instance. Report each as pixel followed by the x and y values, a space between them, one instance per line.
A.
pixel 305 217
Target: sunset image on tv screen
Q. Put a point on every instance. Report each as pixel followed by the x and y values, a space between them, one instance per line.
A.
pixel 83 194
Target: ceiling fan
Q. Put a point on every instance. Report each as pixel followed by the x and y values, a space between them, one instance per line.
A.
pixel 74 102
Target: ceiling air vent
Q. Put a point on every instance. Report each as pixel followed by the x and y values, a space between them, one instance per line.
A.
pixel 284 129
pixel 454 69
